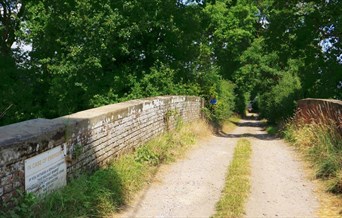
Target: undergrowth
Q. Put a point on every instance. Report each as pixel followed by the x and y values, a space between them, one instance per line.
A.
pixel 322 144
pixel 237 186
pixel 111 188
pixel 272 129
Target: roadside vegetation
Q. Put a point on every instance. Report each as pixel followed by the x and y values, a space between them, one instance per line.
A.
pixel 230 124
pixel 237 185
pixel 218 113
pixel 111 188
pixel 272 129
pixel 321 144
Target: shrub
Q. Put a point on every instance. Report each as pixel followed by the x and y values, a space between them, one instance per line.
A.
pixel 241 102
pixel 226 94
pixel 280 103
pixel 160 80
pixel 225 101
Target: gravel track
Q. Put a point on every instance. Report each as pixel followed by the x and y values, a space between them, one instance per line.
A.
pixel 279 185
pixel 192 186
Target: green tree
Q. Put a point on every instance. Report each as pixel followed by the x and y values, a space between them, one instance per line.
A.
pixel 298 30
pixel 231 29
pixel 11 14
pixel 87 51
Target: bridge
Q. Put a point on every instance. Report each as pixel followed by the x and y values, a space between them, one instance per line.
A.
pixel 42 155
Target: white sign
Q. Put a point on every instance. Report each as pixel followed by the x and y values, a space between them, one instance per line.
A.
pixel 45 172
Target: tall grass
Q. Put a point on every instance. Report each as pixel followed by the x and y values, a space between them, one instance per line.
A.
pixel 322 144
pixel 237 186
pixel 109 189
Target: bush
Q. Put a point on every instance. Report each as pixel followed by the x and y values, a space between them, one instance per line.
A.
pixel 161 80
pixel 280 103
pixel 241 102
pixel 225 101
pixel 225 105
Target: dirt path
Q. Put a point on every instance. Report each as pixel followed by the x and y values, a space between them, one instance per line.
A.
pixel 192 186
pixel 279 185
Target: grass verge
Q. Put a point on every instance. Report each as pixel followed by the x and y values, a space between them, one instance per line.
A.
pixel 110 188
pixel 230 124
pixel 321 145
pixel 237 186
pixel 272 130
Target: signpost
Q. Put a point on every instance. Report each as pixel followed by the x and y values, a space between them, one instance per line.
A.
pixel 45 172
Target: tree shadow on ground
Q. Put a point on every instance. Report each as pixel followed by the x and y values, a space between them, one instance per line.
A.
pixel 253 122
pixel 250 124
pixel 265 136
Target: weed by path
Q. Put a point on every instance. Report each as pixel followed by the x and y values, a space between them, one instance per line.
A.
pixel 237 186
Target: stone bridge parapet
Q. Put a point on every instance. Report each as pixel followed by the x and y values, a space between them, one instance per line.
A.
pixel 40 150
pixel 320 111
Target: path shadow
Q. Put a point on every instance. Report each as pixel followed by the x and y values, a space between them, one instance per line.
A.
pixel 251 116
pixel 252 121
pixel 263 136
pixel 250 124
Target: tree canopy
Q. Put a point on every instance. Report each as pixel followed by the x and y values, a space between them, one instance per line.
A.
pixel 84 54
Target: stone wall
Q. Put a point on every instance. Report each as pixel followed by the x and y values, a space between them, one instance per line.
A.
pixel 320 110
pixel 89 139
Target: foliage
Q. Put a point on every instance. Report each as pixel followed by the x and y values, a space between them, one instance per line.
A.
pixel 322 144
pixel 144 154
pixel 225 106
pixel 11 13
pixel 241 101
pixel 23 203
pixel 161 81
pixel 272 130
pixel 257 75
pixel 86 54
pixel 231 30
pixel 309 31
pixel 301 37
pixel 15 89
pixel 223 91
pixel 237 185
pixel 280 102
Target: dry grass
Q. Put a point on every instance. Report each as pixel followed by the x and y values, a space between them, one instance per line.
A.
pixel 200 129
pixel 330 204
pixel 230 124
